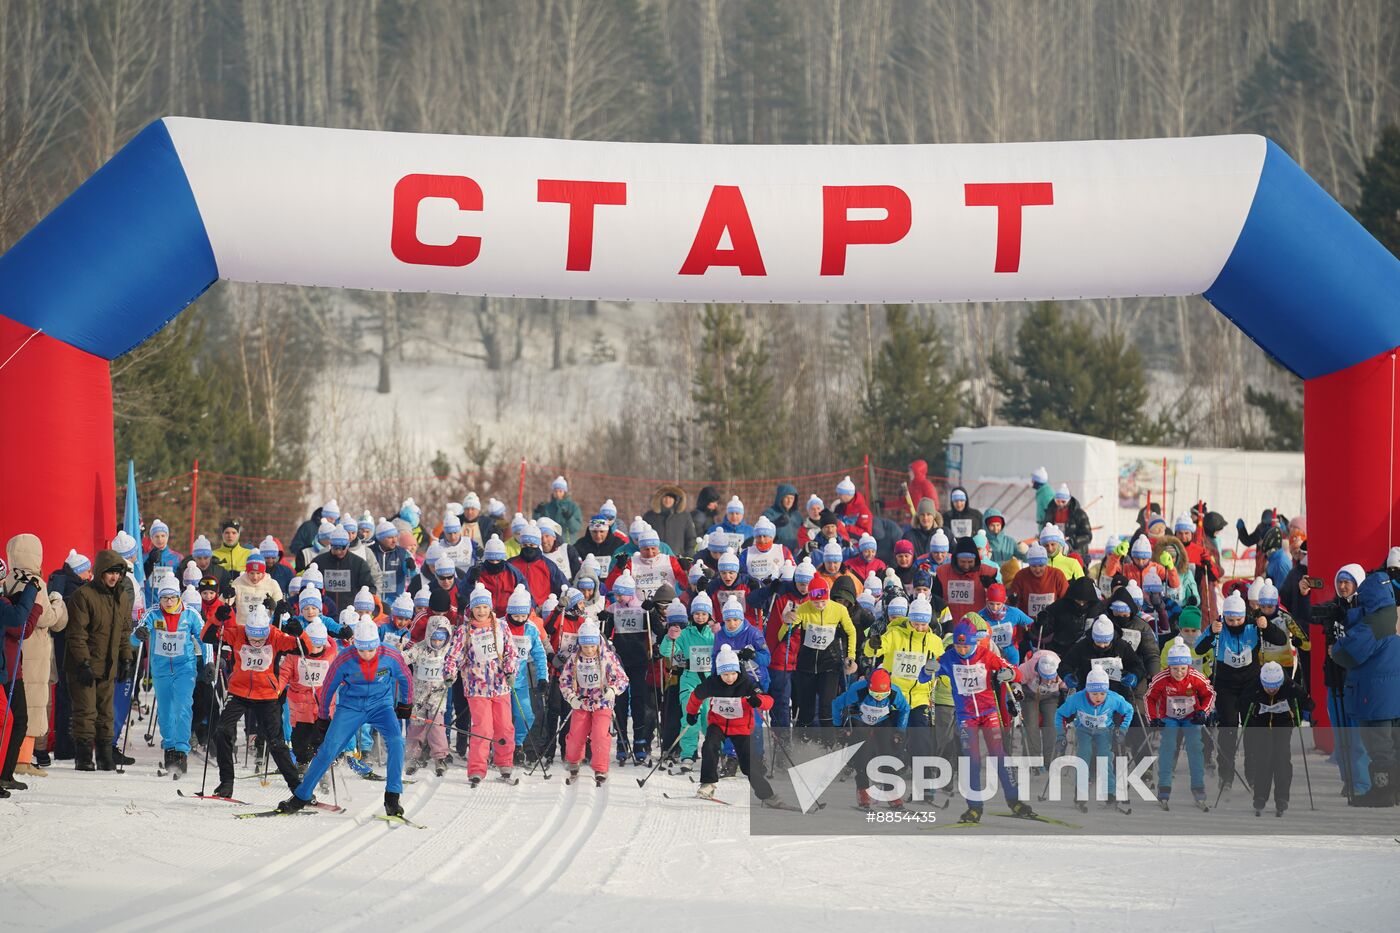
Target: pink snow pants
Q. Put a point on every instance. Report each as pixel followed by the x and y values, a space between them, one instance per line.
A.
pixel 432 732
pixel 491 716
pixel 583 726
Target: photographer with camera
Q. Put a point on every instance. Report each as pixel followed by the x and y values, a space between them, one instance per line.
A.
pixel 1331 618
pixel 1368 649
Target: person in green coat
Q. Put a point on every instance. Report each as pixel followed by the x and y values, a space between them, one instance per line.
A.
pixel 1044 494
pixel 1002 544
pixel 691 652
pixel 562 509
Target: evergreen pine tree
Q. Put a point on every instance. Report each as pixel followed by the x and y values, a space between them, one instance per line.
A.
pixel 1379 207
pixel 736 408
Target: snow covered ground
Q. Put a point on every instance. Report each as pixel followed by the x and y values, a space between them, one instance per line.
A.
pixel 123 852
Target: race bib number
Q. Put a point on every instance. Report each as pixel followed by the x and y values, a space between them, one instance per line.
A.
pixel 522 645
pixel 169 644
pixel 1094 722
pixel 430 669
pixel 907 664
pixel 1132 636
pixel 1035 602
pixel 484 645
pixel 389 579
pixel 588 673
pixel 1180 707
pixel 1001 634
pixel 312 673
pixel 761 564
pixel 255 660
pixel 337 581
pixel 567 640
pixel 700 659
pixel 736 541
pixel 962 527
pixel 872 714
pixel 818 637
pixel 970 678
pixel 648 580
pixel 960 592
pixel 629 620
pixel 251 601
pixel 604 562
pixel 727 707
pixel 1279 707
pixel 1113 667
pixel 1241 658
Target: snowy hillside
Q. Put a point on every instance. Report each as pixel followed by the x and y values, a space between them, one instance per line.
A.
pixel 123 852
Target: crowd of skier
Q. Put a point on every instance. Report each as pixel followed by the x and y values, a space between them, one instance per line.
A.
pixel 704 640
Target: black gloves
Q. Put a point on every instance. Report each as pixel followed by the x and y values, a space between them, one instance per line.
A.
pixel 692 718
pixel 223 613
pixel 85 674
pixel 648 604
pixel 268 604
pixel 1197 718
pixel 292 627
pixel 142 633
pixel 403 710
pixel 126 669
pixel 756 699
pixel 746 654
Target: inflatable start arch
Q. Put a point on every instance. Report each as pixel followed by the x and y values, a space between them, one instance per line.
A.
pixel 190 201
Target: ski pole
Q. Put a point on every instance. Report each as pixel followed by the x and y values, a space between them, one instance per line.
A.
pixel 642 782
pixel 135 701
pixel 1302 747
pixel 534 746
pixel 213 720
pixel 466 732
pixel 151 725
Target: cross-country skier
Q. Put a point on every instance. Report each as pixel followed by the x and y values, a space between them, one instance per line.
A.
pixel 973 669
pixel 691 652
pixel 1273 709
pixel 1178 701
pixel 370 685
pixel 1101 719
pixel 428 661
pixel 590 682
pixel 734 699
pixel 484 653
pixel 526 633
pixel 880 722
pixel 304 674
pixel 172 633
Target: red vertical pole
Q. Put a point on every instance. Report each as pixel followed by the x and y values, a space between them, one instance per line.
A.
pixel 194 504
pixel 1165 514
pixel 520 500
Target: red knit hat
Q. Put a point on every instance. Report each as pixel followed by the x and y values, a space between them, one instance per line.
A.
pixel 817 591
pixel 903 547
pixel 880 681
pixel 996 593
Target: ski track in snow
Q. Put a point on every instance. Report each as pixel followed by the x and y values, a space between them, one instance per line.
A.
pixel 84 852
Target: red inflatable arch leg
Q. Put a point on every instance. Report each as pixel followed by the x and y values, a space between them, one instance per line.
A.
pixel 1353 478
pixel 57 477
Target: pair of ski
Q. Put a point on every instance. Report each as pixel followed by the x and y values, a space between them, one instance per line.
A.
pixel 327 807
pixel 1124 808
pixel 1038 818
pixel 598 779
pixel 779 806
pixel 475 782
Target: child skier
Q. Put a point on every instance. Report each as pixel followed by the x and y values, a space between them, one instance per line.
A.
pixel 484 653
pixel 253 687
pixel 173 633
pixel 1272 711
pixel 883 711
pixel 304 674
pixel 1044 692
pixel 1101 721
pixel 973 669
pixel 733 697
pixel 428 660
pixel 691 654
pixel 1178 701
pixel 590 682
pixel 369 684
pixel 534 664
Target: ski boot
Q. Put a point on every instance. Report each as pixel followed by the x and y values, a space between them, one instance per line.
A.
pixel 599 780
pixel 1258 808
pixel 474 780
pixel 641 757
pixel 1164 795
pixel 706 790
pixel 621 754
pixel 1082 806
pixel 863 798
pixel 359 765
pixel 224 789
pixel 182 766
pixel 1023 810
pixel 1110 803
pixel 440 766
pixel 572 776
pixel 729 767
pixel 391 804
pixel 293 804
pixel 1279 807
pixel 1199 796
pixel 970 815
pixel 121 758
pixel 412 765
pixel 687 765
